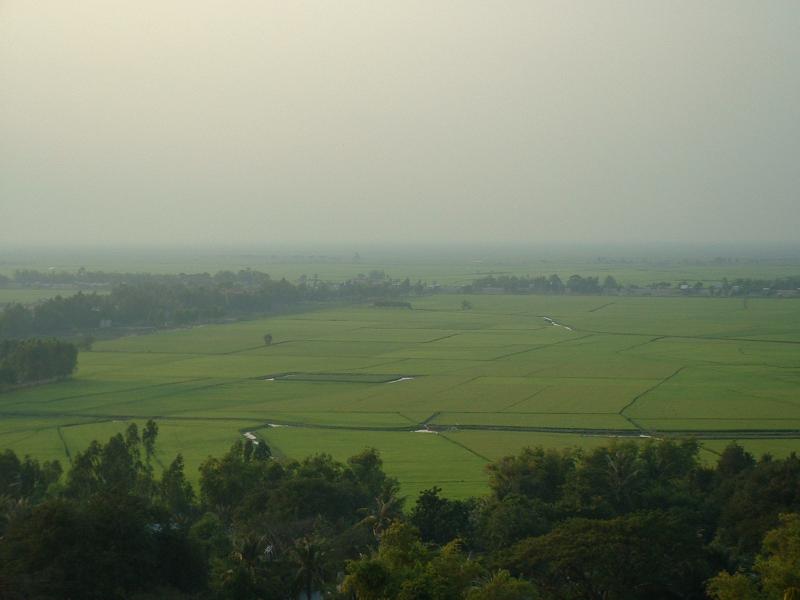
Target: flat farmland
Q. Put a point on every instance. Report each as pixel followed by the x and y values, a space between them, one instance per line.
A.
pixel 440 391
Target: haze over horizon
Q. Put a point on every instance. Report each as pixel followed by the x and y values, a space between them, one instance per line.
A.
pixel 191 123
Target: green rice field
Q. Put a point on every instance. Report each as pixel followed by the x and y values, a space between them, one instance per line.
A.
pixel 438 390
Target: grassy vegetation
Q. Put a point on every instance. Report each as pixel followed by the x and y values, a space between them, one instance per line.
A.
pixel 489 380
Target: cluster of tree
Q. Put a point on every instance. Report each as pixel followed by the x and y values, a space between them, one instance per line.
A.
pixel 576 284
pixel 742 287
pixel 625 521
pixel 259 528
pixel 553 284
pixel 244 278
pixel 174 300
pixel 25 361
pixel 737 287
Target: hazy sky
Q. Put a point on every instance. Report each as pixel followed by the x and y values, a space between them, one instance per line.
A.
pixel 255 121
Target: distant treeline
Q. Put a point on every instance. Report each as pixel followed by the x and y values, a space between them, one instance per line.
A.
pixel 32 277
pixel 576 284
pixel 739 287
pixel 553 284
pixel 225 278
pixel 174 300
pixel 626 521
pixel 26 361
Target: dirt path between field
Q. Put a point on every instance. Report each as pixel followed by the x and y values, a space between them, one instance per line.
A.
pixel 601 307
pixel 723 434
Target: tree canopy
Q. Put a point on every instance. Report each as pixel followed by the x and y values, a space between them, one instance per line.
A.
pixel 623 521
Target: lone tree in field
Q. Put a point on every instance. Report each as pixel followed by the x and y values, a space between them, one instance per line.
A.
pixel 466 305
pixel 267 339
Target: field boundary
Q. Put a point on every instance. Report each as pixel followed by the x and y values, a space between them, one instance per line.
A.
pixel 647 391
pixel 467 448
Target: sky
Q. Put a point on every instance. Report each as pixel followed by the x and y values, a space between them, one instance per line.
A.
pixel 214 122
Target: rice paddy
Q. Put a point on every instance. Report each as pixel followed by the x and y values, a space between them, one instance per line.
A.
pixel 440 391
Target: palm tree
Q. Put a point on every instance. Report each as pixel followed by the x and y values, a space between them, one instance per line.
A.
pixel 388 507
pixel 310 557
pixel 249 558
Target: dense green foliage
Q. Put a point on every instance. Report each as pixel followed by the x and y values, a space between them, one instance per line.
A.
pixel 25 361
pixel 624 521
